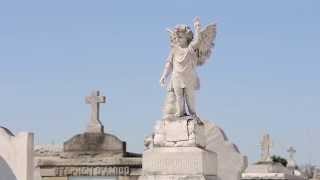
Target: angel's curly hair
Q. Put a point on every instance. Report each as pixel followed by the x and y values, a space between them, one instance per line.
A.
pixel 182 30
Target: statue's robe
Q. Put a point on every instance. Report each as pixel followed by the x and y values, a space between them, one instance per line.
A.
pixel 184 63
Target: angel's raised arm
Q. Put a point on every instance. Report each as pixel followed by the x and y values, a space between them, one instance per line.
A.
pixel 203 42
pixel 196 40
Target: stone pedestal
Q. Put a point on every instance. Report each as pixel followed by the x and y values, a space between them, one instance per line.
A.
pixel 179 132
pixel 190 163
pixel 179 161
pixel 176 152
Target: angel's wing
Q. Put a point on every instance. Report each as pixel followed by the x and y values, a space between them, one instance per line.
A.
pixel 206 44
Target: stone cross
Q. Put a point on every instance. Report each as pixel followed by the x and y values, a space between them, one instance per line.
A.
pixel 291 152
pixel 266 145
pixel 94 100
pixel 291 161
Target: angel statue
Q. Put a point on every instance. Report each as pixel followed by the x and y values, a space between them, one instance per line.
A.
pixel 187 52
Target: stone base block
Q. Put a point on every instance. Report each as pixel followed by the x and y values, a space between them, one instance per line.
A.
pixel 179 161
pixel 177 177
pixel 179 132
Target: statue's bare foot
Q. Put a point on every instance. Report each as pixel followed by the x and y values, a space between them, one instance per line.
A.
pixel 179 114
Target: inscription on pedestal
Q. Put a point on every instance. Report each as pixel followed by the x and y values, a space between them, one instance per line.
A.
pixel 179 161
pixel 160 164
pixel 92 171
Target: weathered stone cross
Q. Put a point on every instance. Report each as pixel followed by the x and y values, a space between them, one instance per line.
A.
pixel 291 152
pixel 94 100
pixel 266 145
pixel 291 161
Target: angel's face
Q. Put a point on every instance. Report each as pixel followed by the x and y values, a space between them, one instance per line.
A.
pixel 182 41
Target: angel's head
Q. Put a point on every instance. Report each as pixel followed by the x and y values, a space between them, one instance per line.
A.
pixel 181 35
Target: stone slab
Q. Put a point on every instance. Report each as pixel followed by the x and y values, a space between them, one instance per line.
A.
pixel 179 161
pixel 16 155
pixel 231 163
pixel 176 130
pixel 197 132
pixel 185 131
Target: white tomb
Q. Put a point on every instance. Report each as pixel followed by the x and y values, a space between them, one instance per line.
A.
pixel 91 155
pixel 16 155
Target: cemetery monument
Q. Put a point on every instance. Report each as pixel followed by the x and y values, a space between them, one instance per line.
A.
pixel 93 154
pixel 183 146
pixel 16 155
pixel 266 169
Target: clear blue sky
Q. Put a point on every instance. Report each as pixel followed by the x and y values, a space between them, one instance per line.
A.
pixel 263 77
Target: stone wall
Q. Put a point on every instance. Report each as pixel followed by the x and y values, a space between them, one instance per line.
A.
pixel 231 163
pixel 16 155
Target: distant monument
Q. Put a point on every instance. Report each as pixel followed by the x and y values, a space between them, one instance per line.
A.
pixel 316 174
pixel 266 169
pixel 266 146
pixel 291 161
